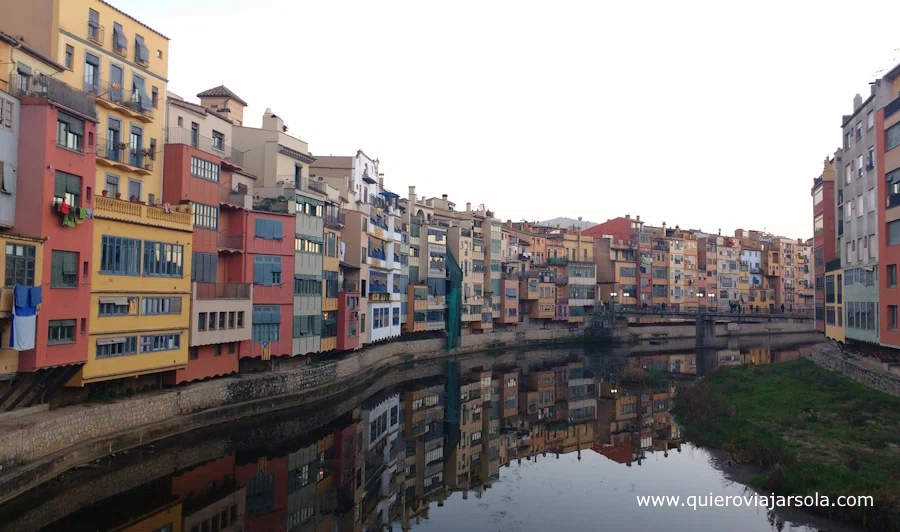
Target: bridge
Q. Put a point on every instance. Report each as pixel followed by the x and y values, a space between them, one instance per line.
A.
pixel 705 318
pixel 705 313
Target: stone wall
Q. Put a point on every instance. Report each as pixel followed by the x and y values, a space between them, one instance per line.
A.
pixel 829 356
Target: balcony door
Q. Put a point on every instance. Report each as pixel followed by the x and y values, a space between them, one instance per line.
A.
pixel 113 139
pixel 136 144
pixel 116 82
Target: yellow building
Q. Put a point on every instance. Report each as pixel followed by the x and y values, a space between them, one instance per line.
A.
pixel 330 271
pixel 142 253
pixel 27 254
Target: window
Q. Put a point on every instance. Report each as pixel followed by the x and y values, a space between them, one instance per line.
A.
pixel 154 97
pixel 195 134
pixel 395 316
pixel 67 188
pixel 870 120
pixel 162 259
pixel 217 350
pixel 201 321
pixel 70 56
pixel 892 276
pixel 112 185
pixel 240 319
pixel 152 149
pixel 204 267
pixel 848 174
pixel 892 137
pixel 232 349
pixel 116 347
pixel 871 200
pixel 69 132
pixel 160 342
pixel 120 256
pixel 206 216
pixel 268 229
pixel 308 245
pixel 893 236
pixel 819 223
pixel 218 141
pixel 19 265
pixel 331 283
pixel 61 332
pixel 204 169
pixel 63 269
pixel 231 320
pixel 211 322
pixel 134 189
pixel 194 354
pixel 859 130
pixel 892 317
pixel 331 245
pixel 91 73
pixel 160 305
pixel 266 332
pixel 817 196
pixel 6 113
pixel 116 306
pixel 267 270
pixel 870 158
pixel 222 317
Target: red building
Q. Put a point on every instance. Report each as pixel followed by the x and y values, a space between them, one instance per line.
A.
pixel 627 231
pixel 269 261
pixel 824 237
pixel 201 169
pixel 348 320
pixel 54 197
pixel 509 305
pixel 887 166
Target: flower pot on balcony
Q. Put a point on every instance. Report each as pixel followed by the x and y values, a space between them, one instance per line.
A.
pixel 132 199
pixel 104 192
pixel 148 166
pixel 142 202
pixel 123 146
pixel 118 195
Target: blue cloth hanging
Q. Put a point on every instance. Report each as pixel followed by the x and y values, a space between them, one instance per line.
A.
pixel 20 295
pixel 35 296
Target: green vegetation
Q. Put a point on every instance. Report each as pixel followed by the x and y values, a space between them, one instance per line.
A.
pixel 813 430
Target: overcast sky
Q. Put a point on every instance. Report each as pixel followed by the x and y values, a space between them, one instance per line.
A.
pixel 693 113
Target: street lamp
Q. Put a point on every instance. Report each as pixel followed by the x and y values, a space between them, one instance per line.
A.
pixel 613 296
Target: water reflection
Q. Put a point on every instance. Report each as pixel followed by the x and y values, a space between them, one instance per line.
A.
pixel 392 456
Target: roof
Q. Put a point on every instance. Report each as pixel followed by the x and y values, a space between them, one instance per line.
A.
pixel 114 8
pixel 31 51
pixel 199 109
pixel 221 92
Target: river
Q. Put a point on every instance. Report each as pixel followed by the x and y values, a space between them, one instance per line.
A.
pixel 541 439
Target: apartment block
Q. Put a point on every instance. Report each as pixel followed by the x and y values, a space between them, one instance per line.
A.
pixel 203 170
pixel 46 126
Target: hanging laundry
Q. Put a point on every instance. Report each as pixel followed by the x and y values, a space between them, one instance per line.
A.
pixel 64 208
pixel 69 220
pixel 89 213
pixel 35 296
pixel 20 295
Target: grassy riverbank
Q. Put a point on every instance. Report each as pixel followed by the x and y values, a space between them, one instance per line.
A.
pixel 814 431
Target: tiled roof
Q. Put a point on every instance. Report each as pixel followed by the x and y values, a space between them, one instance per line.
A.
pixel 222 91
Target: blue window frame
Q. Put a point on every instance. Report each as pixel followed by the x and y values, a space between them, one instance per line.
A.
pixel 162 259
pixel 120 256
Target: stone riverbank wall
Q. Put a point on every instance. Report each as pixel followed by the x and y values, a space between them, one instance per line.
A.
pixel 829 356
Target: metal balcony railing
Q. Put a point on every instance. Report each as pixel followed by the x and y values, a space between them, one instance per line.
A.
pixel 227 241
pixel 120 152
pixel 334 220
pixel 223 291
pixel 96 33
pixel 41 86
pixel 180 135
pixel 116 93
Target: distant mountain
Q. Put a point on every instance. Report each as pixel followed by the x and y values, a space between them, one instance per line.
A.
pixel 568 222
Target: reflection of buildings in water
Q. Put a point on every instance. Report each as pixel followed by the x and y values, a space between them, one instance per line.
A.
pixel 410 446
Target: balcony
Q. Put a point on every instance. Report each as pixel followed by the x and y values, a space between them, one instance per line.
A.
pixel 557 261
pixel 117 154
pixel 216 146
pixel 222 291
pixel 236 196
pixel 229 242
pixel 179 217
pixel 96 33
pixel 113 95
pixel 379 297
pixel 334 220
pixel 41 86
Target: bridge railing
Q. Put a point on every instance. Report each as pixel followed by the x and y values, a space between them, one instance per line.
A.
pixel 684 310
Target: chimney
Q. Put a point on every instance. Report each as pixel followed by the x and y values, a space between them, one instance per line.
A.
pixel 468 206
pixel 627 216
pixel 412 197
pixel 720 231
pixel 444 197
pixel 639 218
pixel 857 102
pixel 272 122
pixel 381 180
